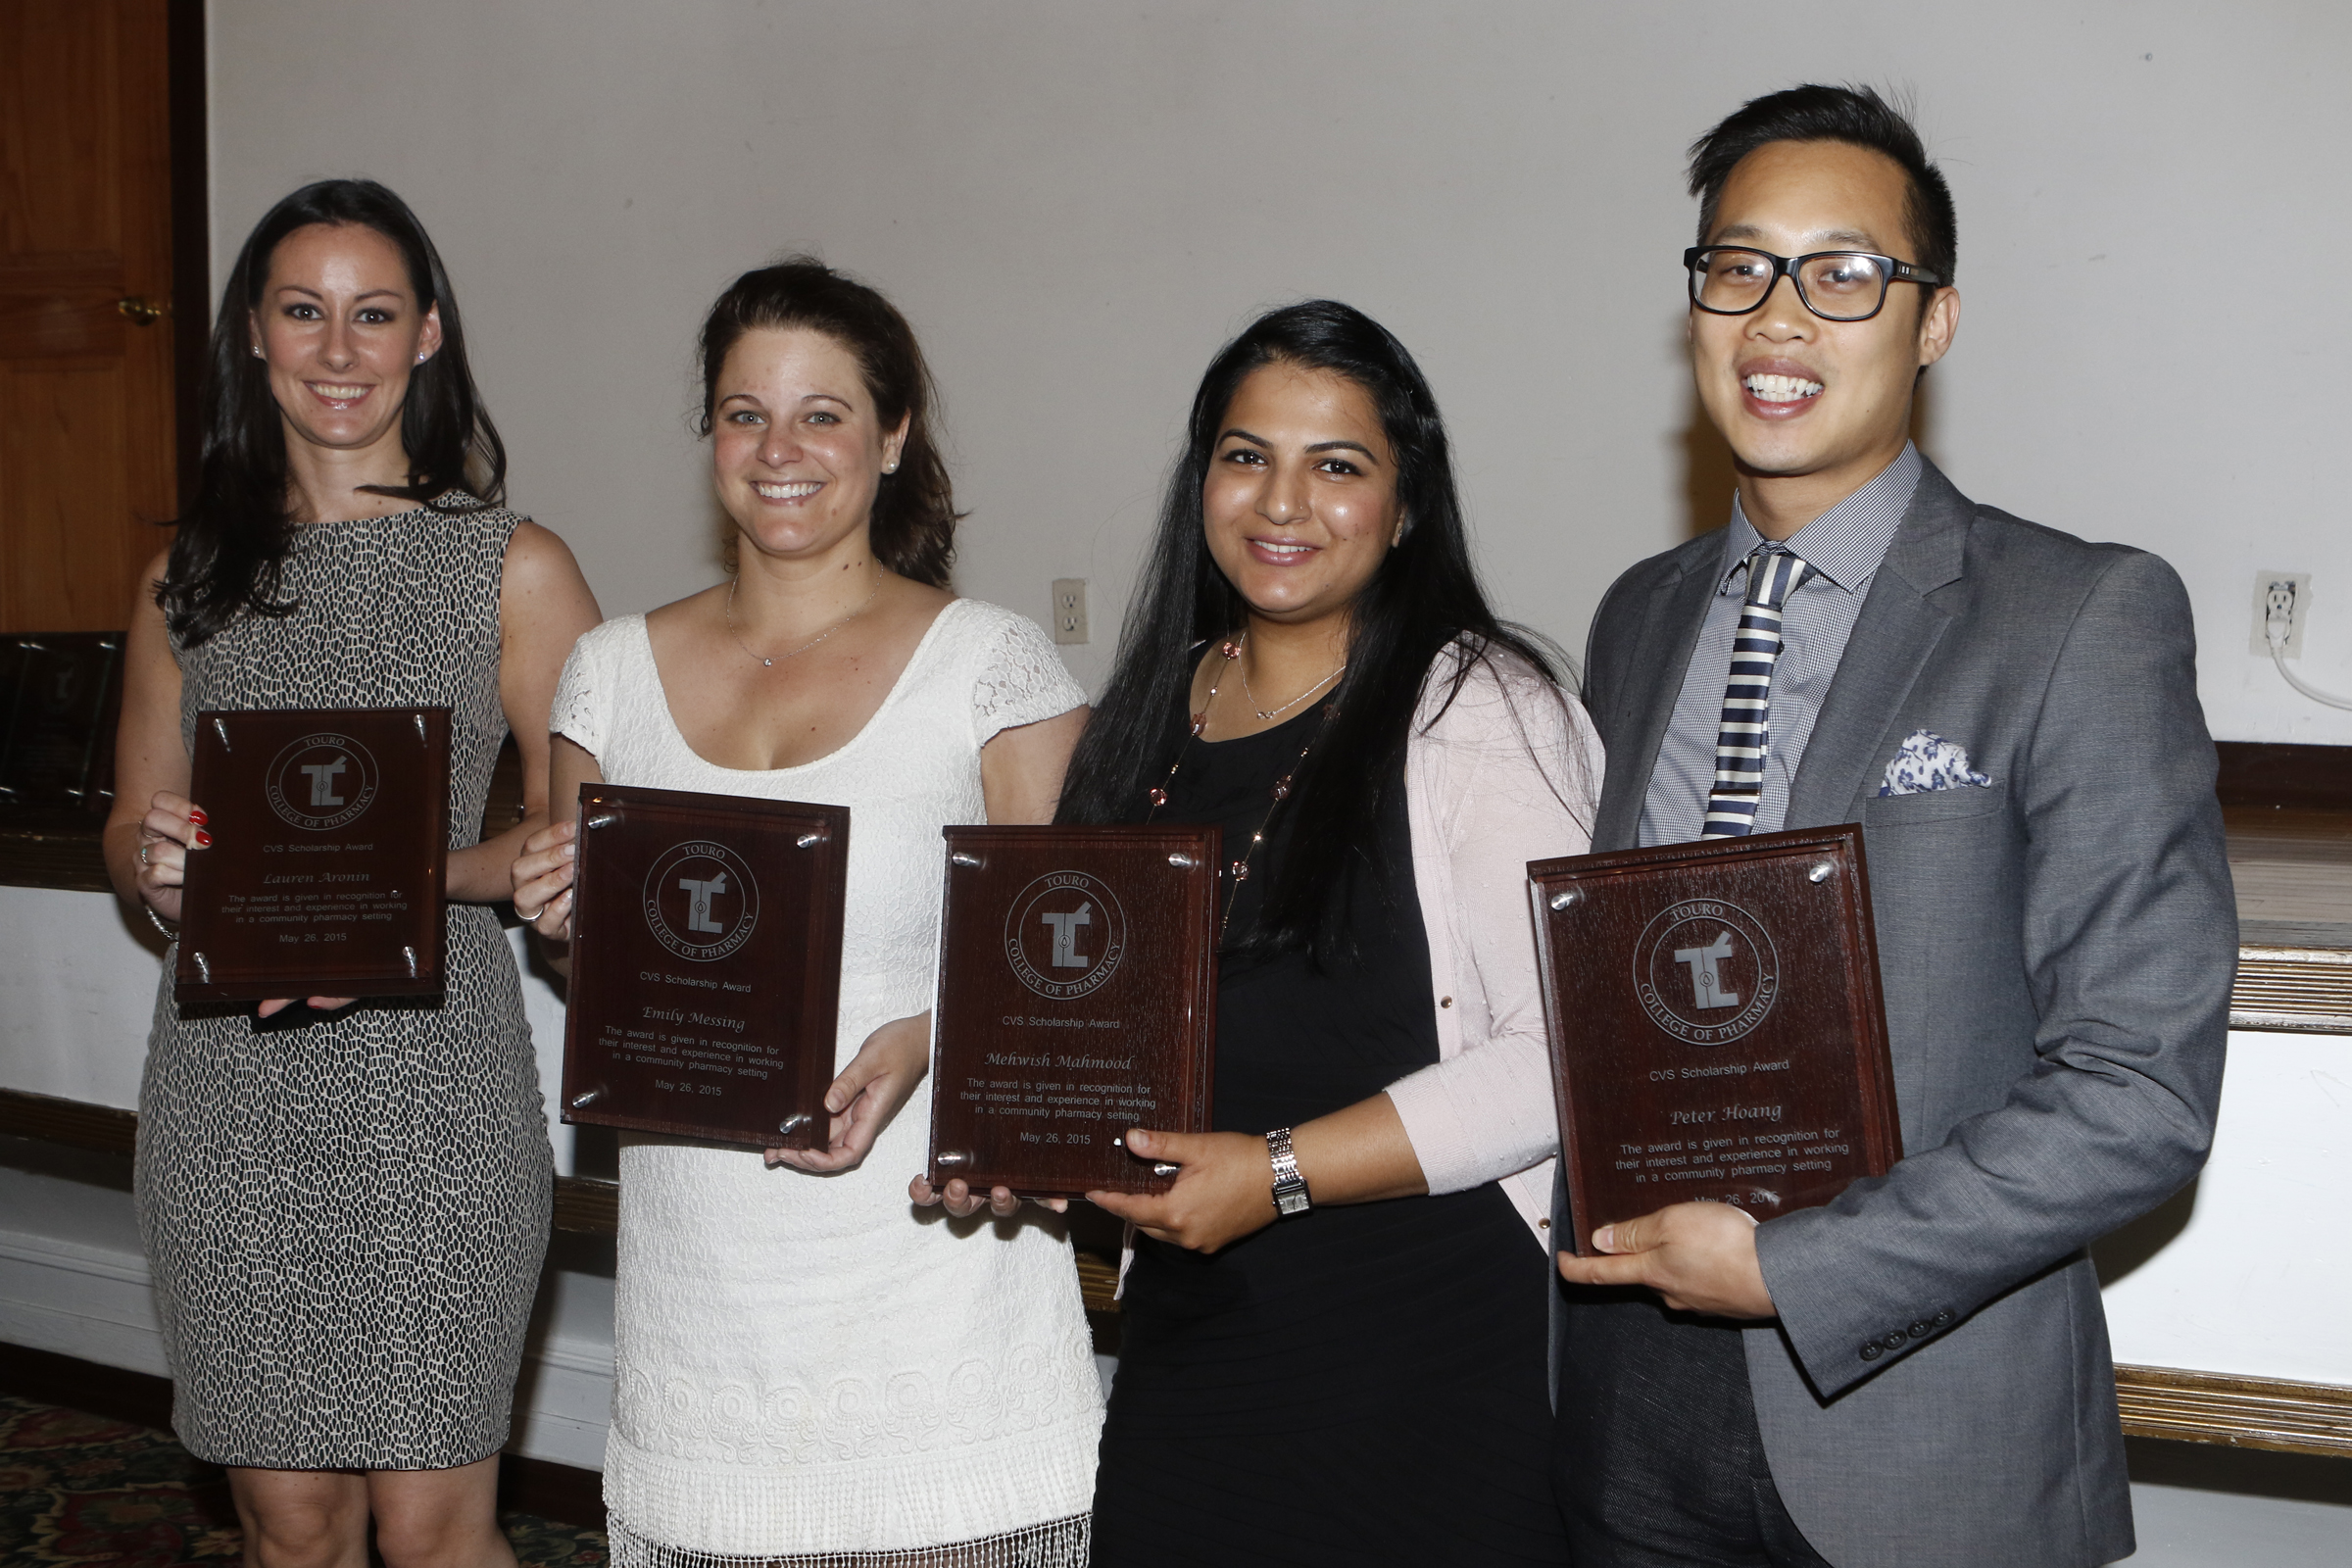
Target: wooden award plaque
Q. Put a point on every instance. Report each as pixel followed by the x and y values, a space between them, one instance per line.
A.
pixel 330 836
pixel 706 966
pixel 1077 998
pixel 1717 1030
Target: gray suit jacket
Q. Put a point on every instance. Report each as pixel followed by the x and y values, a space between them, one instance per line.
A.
pixel 2056 950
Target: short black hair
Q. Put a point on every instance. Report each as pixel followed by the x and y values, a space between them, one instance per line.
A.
pixel 1856 116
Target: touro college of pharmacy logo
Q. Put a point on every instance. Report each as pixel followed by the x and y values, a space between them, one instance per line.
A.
pixel 699 900
pixel 322 782
pixel 1065 935
pixel 1705 972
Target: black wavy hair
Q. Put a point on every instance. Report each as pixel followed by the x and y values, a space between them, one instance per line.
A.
pixel 1422 600
pixel 230 551
pixel 1857 116
pixel 914 524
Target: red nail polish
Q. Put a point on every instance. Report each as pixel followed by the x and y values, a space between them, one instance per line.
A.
pixel 203 840
pixel 196 816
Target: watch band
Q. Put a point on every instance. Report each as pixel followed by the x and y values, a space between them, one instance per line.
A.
pixel 1290 1188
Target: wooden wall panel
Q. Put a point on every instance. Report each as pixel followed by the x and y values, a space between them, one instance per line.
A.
pixel 89 454
pixel 65 461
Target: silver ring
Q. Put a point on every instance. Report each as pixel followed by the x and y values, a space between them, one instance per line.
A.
pixel 143 860
pixel 533 915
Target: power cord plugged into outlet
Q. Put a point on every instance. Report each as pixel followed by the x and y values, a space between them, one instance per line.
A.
pixel 2279 608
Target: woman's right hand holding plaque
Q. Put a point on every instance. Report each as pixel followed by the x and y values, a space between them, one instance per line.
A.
pixel 543 876
pixel 173 825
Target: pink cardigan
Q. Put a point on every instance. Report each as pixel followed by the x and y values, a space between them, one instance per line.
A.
pixel 1507 775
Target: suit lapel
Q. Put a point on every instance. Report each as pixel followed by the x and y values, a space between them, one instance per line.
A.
pixel 1897 630
pixel 1644 704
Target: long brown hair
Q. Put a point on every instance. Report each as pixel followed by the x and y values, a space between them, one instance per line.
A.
pixel 231 548
pixel 913 526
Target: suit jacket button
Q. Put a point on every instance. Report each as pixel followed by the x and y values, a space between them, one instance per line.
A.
pixel 1870 1351
pixel 1894 1340
pixel 1920 1331
pixel 1943 1318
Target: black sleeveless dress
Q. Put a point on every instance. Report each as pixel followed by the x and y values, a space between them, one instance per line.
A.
pixel 1361 1384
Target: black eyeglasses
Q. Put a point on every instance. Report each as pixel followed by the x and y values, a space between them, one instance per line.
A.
pixel 1835 285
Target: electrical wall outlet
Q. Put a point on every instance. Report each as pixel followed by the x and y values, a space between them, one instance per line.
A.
pixel 2278 594
pixel 1069 609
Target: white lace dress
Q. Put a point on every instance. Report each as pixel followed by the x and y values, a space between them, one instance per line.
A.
pixel 811 1366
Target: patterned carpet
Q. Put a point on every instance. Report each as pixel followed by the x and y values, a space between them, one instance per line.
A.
pixel 78 1488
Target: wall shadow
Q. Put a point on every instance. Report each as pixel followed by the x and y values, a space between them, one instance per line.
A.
pixel 1708 477
pixel 2243 1472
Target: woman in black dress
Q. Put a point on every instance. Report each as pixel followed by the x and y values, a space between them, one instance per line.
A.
pixel 1311 665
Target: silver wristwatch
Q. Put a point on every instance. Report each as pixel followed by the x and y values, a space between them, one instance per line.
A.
pixel 1290 1188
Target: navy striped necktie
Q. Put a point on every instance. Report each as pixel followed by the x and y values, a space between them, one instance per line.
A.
pixel 1744 739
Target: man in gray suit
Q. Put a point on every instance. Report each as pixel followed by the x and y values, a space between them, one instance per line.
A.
pixel 1917 1374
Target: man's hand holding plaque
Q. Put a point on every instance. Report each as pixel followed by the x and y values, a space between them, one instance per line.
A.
pixel 1717 1036
pixel 1077 974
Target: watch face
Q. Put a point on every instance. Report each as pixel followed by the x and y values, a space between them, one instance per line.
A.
pixel 1290 1199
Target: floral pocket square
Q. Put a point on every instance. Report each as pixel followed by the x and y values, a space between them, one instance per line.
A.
pixel 1928 761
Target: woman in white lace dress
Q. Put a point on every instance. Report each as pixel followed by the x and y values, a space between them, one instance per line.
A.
pixel 808 1366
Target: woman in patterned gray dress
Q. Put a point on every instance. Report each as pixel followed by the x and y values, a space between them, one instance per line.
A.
pixel 345 1208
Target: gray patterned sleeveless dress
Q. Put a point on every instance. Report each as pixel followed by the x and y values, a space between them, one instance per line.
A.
pixel 345 1220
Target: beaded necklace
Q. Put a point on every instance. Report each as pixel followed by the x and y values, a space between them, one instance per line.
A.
pixel 1239 870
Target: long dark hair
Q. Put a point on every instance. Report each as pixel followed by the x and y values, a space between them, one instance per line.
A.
pixel 914 517
pixel 231 548
pixel 1423 600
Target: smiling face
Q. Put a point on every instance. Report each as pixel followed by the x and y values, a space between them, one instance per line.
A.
pixel 1814 409
pixel 797 446
pixel 1300 502
pixel 340 331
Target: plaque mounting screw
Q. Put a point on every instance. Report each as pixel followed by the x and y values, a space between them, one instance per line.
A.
pixel 951 1159
pixel 587 1097
pixel 203 969
pixel 420 736
pixel 793 1123
pixel 410 955
pixel 604 819
pixel 220 728
pixel 809 841
pixel 962 858
pixel 1161 1167
pixel 1566 898
pixel 1822 871
pixel 1182 862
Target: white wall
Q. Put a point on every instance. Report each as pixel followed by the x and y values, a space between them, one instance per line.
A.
pixel 1077 201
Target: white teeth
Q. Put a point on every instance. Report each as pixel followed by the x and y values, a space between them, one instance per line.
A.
pixel 340 394
pixel 1283 549
pixel 1781 388
pixel 798 490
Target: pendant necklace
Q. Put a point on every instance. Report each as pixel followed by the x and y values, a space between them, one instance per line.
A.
pixel 1276 713
pixel 768 662
pixel 1239 870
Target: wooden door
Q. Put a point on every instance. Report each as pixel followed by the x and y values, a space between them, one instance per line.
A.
pixel 88 443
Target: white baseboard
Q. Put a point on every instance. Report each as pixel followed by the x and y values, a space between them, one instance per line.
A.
pixel 96 1304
